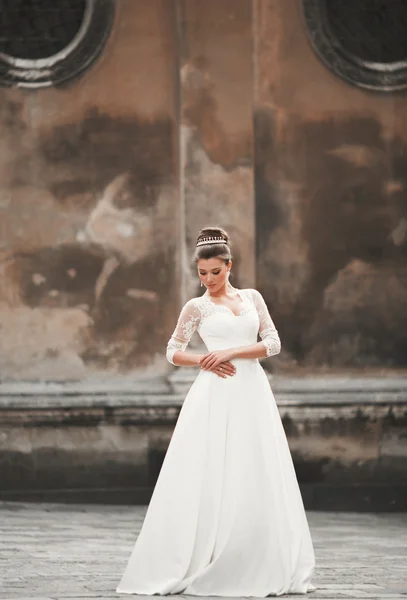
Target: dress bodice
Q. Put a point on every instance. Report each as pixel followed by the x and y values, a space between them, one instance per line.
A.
pixel 220 328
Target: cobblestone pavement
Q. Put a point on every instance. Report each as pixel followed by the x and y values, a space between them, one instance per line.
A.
pixel 79 552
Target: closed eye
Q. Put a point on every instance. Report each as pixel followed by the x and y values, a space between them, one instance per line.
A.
pixel 213 272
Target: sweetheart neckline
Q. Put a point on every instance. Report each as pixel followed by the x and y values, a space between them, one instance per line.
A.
pixel 243 311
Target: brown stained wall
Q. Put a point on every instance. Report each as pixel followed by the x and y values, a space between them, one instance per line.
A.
pixel 216 77
pixel 88 210
pixel 331 204
pixel 197 113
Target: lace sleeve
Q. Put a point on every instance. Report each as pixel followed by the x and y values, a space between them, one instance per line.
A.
pixel 267 329
pixel 188 323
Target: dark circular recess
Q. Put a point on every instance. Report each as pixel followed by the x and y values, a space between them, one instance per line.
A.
pixel 48 42
pixel 34 29
pixel 362 41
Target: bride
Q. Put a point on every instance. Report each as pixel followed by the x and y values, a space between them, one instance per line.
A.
pixel 226 517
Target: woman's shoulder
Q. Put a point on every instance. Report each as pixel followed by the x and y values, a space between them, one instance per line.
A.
pixel 194 304
pixel 250 292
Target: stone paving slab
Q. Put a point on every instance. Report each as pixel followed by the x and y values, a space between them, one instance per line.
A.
pixel 77 552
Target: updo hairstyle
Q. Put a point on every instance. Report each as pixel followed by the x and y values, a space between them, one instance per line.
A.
pixel 215 250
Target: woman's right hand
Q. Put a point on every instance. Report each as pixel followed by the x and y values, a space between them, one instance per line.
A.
pixel 224 370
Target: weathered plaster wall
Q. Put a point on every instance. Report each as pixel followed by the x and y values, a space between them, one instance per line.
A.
pixel 198 113
pixel 331 203
pixel 88 210
pixel 216 133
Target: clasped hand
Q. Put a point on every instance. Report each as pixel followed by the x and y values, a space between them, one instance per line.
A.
pixel 219 362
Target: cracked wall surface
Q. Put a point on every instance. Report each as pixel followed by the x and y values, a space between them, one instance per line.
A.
pixel 88 211
pixel 331 204
pixel 195 114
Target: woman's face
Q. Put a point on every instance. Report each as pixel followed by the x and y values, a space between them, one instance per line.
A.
pixel 213 272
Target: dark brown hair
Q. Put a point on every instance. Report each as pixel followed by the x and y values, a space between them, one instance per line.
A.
pixel 217 250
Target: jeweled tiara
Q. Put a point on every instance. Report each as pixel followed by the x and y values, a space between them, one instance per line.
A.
pixel 211 240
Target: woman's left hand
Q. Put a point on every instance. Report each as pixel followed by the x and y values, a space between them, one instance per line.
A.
pixel 213 359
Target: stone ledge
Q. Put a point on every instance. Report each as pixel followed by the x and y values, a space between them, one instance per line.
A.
pixel 170 391
pixel 155 411
pixel 69 440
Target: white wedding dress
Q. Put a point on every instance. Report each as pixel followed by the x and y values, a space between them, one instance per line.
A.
pixel 226 517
